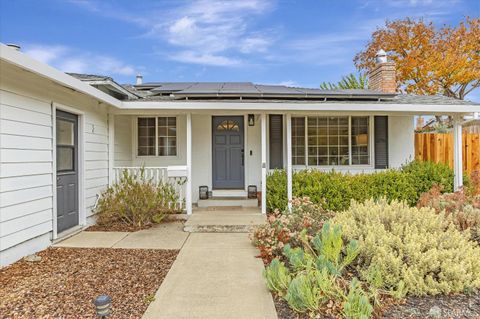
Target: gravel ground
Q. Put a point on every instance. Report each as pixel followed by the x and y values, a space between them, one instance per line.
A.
pixel 65 281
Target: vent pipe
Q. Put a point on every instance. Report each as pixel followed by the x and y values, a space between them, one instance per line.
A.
pixel 139 79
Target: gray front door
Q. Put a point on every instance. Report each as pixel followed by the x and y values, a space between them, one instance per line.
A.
pixel 228 152
pixel 67 170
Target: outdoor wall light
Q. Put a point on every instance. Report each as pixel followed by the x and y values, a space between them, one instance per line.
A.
pixel 103 306
pixel 251 119
pixel 203 192
pixel 252 191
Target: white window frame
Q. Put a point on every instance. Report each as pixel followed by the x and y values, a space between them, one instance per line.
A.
pixel 156 137
pixel 370 164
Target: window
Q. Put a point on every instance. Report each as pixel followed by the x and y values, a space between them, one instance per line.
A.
pixel 360 152
pixel 163 130
pixel 331 140
pixel 65 145
pixel 298 141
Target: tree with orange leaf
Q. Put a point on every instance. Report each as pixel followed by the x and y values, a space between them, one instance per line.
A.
pixel 429 60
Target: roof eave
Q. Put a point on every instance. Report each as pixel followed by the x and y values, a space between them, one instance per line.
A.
pixel 14 57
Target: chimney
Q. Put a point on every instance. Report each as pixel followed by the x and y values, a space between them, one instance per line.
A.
pixel 382 76
pixel 14 46
pixel 139 79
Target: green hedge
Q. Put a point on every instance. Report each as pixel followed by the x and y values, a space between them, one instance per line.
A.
pixel 335 190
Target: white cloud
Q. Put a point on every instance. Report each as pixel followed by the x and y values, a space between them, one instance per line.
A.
pixel 204 58
pixel 70 60
pixel 210 28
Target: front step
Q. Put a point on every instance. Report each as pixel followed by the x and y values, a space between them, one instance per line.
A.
pixel 227 201
pixel 241 220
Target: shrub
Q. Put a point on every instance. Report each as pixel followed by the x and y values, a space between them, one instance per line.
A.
pixel 314 279
pixel 336 190
pixel 285 227
pixel 461 206
pixel 135 200
pixel 415 250
pixel 427 174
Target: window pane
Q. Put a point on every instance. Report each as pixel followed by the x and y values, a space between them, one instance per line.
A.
pixel 298 141
pixel 65 132
pixel 167 136
pixel 65 157
pixel 360 140
pixel 330 143
pixel 146 136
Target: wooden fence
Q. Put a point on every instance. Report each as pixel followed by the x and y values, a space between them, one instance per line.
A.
pixel 438 148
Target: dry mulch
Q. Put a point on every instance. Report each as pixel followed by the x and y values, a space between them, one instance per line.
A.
pixel 65 281
pixel 118 227
pixel 452 307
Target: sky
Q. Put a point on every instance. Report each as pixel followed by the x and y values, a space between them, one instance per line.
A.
pixel 288 42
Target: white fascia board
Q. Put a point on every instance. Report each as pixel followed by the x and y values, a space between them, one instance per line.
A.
pixel 302 107
pixel 21 60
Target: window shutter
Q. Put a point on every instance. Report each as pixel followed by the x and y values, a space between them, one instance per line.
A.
pixel 276 141
pixel 381 141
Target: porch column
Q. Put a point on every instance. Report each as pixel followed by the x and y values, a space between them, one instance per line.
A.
pixel 188 192
pixel 289 160
pixel 457 153
pixel 264 162
pixel 111 148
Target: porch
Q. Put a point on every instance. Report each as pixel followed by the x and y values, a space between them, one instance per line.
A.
pixel 181 148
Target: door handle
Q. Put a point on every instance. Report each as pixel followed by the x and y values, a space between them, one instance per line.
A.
pixel 243 157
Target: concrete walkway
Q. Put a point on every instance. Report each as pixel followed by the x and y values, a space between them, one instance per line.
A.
pixel 163 236
pixel 216 275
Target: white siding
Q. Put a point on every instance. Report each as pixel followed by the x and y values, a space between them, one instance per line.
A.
pixel 26 158
pixel 26 198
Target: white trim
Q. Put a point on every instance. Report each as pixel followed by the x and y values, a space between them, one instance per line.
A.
pixel 264 162
pixel 245 149
pixel 188 195
pixel 111 148
pixel 457 154
pixel 82 216
pixel 304 107
pixel 289 161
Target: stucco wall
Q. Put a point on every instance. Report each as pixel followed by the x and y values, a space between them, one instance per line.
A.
pixel 401 144
pixel 27 184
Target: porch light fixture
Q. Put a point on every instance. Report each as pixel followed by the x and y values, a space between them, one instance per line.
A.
pixel 252 191
pixel 251 119
pixel 203 191
pixel 103 306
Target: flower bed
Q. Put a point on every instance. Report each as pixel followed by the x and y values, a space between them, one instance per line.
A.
pixel 358 263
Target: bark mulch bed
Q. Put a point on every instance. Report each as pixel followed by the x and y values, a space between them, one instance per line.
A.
pixel 118 227
pixel 122 227
pixel 451 307
pixel 65 281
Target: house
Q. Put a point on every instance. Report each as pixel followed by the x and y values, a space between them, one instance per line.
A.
pixel 64 138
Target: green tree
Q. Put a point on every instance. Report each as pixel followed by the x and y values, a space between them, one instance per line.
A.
pixel 350 81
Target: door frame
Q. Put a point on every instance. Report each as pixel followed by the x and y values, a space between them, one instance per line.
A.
pixel 82 218
pixel 245 155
